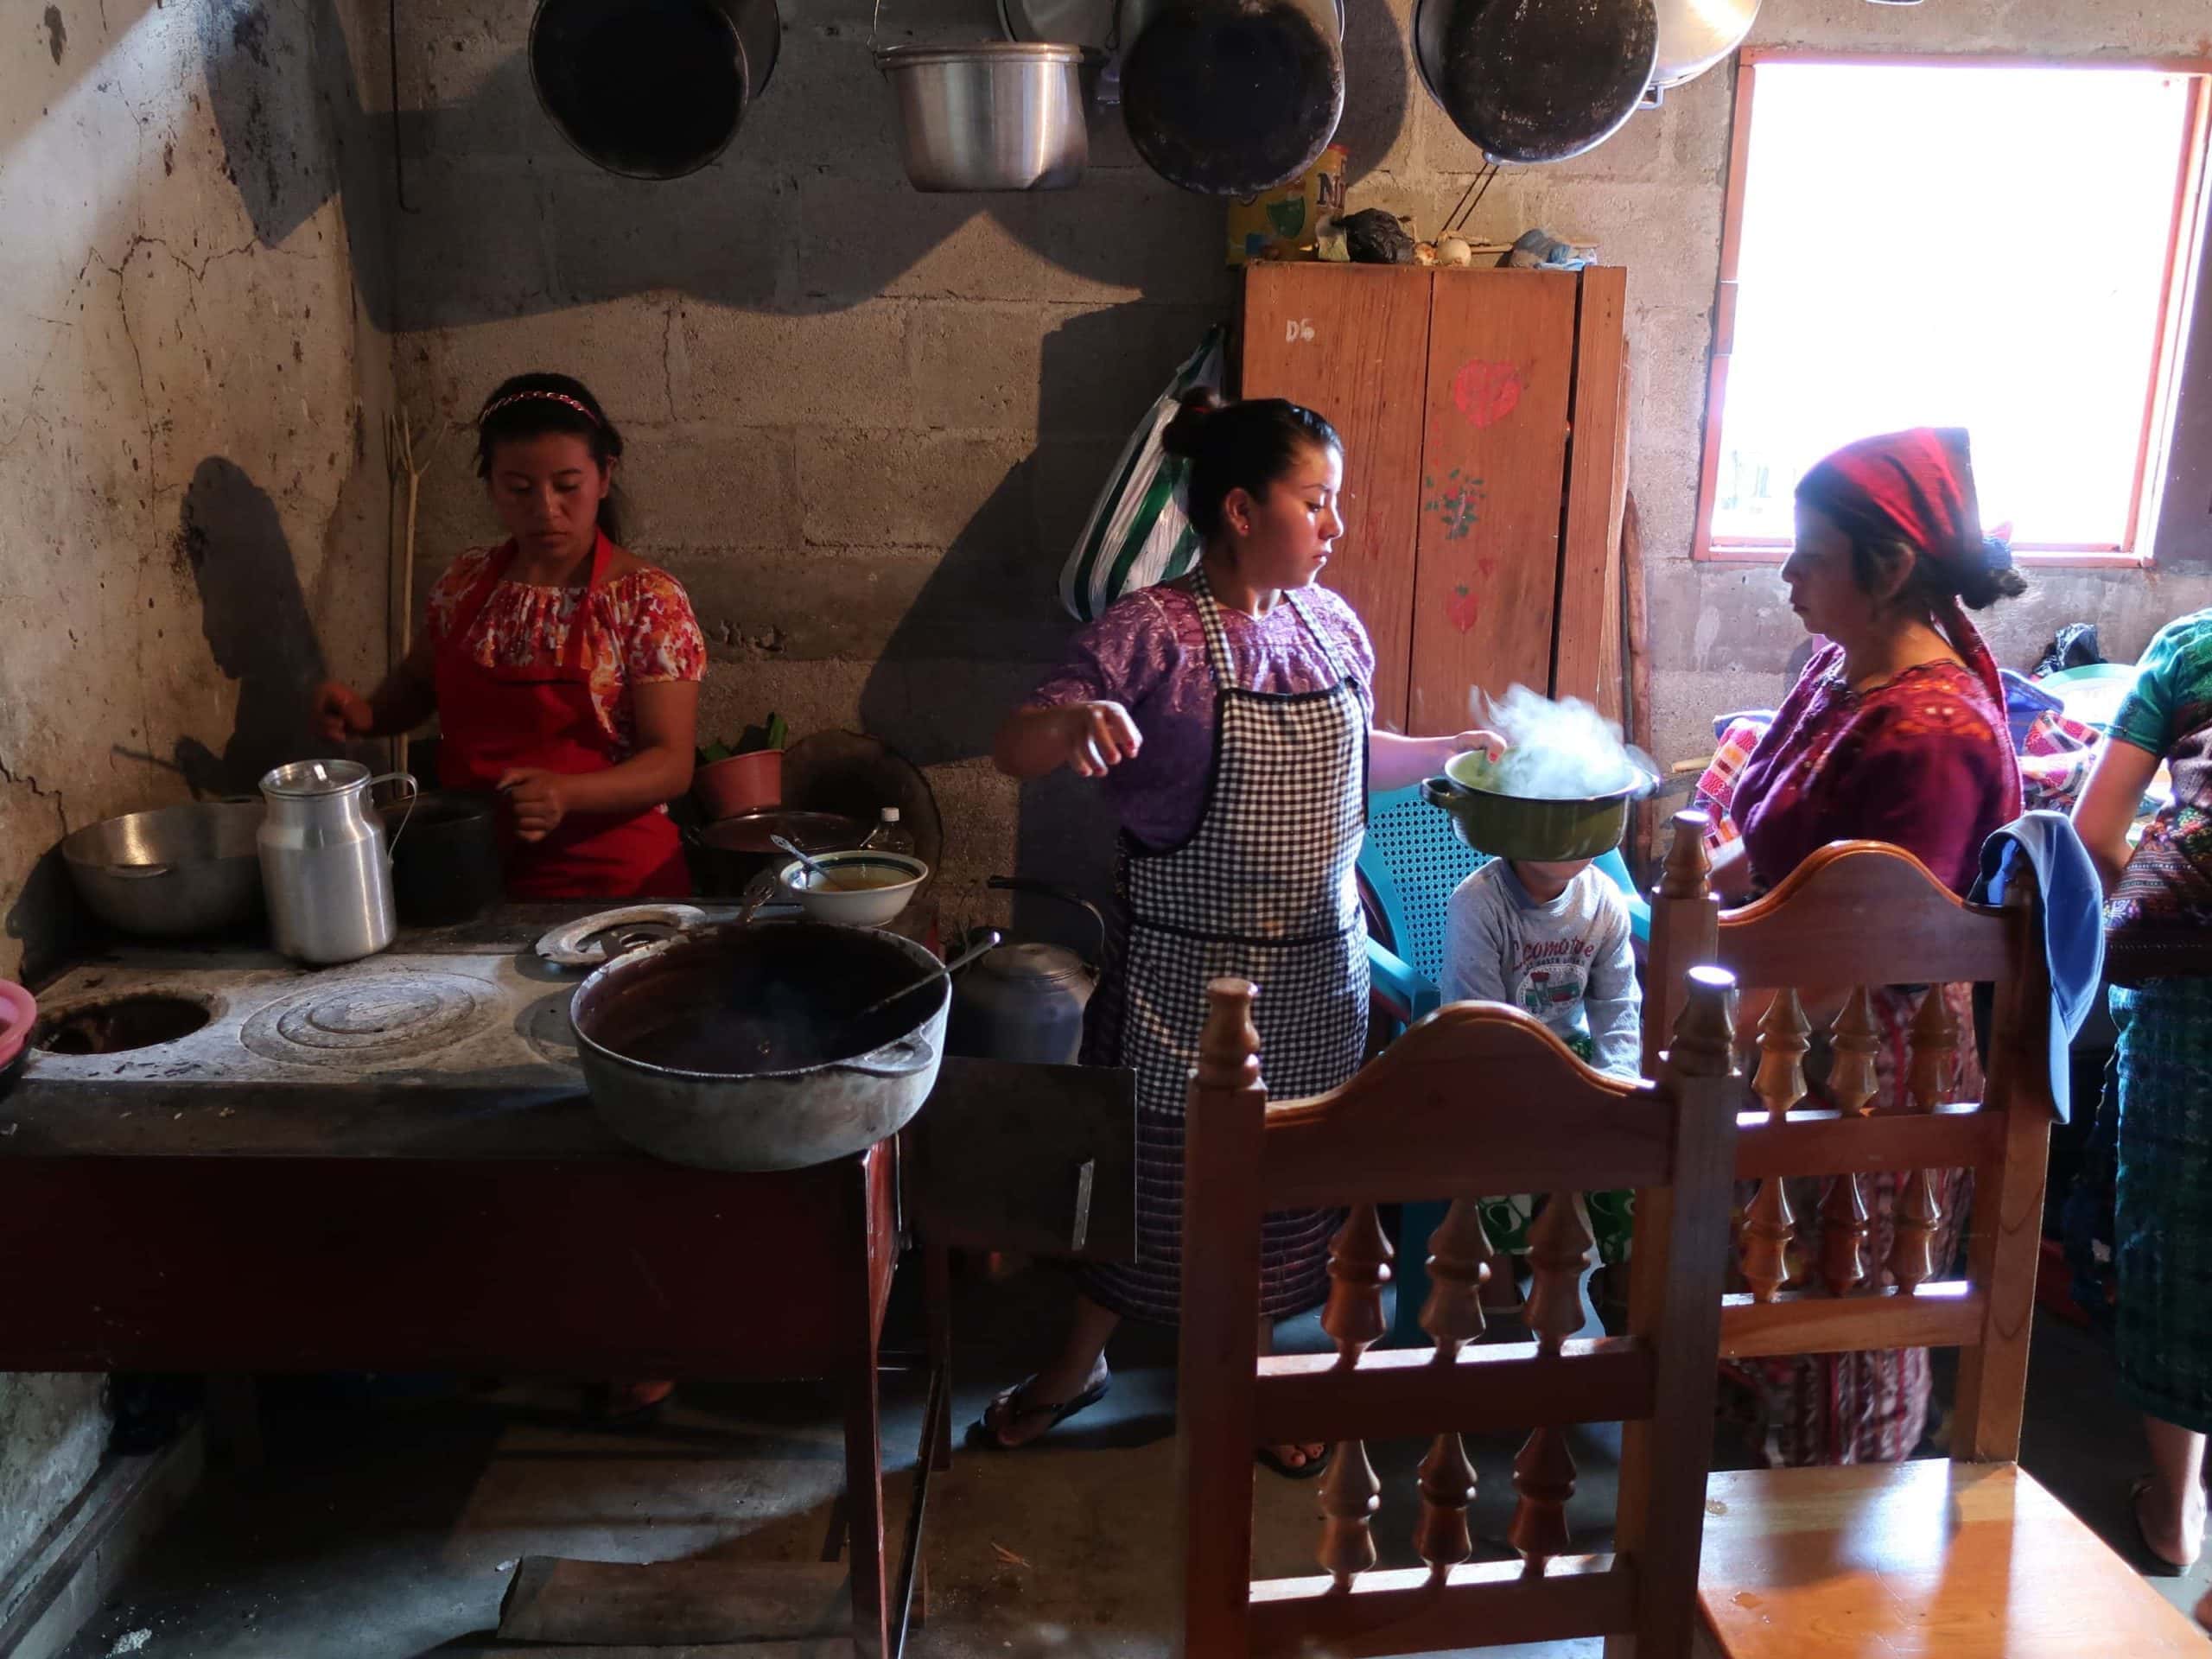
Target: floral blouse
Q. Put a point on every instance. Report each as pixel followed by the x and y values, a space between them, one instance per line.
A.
pixel 638 629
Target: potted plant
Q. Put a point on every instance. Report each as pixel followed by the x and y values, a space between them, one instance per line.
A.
pixel 736 776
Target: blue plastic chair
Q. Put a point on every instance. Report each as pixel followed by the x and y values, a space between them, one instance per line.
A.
pixel 1409 864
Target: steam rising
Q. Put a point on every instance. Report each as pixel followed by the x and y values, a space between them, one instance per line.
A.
pixel 1561 751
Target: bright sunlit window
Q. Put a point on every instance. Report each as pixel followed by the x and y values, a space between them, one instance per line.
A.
pixel 2002 247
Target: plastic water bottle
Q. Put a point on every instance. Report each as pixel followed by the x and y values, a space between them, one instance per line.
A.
pixel 889 836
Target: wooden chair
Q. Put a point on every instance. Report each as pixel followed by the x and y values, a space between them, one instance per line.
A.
pixel 1477 1098
pixel 1966 1557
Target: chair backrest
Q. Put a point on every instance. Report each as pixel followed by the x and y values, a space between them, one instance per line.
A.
pixel 1478 1098
pixel 1856 916
pixel 1412 860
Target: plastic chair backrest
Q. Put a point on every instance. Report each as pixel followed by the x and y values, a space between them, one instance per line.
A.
pixel 1412 860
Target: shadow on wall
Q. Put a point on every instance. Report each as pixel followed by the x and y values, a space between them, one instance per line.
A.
pixel 506 221
pixel 255 619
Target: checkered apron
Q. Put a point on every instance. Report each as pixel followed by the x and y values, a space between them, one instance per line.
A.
pixel 1262 890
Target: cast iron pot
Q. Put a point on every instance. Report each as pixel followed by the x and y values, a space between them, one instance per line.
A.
pixel 1228 98
pixel 652 89
pixel 447 868
pixel 735 1047
pixel 1520 826
pixel 1536 80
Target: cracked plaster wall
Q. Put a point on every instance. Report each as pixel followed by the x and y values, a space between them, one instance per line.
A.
pixel 193 379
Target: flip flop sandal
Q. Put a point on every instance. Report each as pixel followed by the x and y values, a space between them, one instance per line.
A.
pixel 2154 1563
pixel 984 1437
pixel 1288 1471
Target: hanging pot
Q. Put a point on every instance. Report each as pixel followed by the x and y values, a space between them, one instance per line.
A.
pixel 996 116
pixel 652 89
pixel 1695 34
pixel 1229 97
pixel 1535 80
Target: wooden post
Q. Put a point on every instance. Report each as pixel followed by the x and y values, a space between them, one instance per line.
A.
pixel 1684 931
pixel 1673 1305
pixel 863 1429
pixel 1221 1211
pixel 2007 1237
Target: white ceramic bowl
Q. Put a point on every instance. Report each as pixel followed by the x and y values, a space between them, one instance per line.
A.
pixel 892 876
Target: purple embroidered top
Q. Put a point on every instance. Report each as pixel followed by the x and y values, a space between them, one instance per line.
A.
pixel 1148 654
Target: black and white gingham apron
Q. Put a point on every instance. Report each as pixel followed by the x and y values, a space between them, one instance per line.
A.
pixel 1262 890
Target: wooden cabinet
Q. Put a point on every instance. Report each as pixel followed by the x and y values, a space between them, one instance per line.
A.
pixel 1485 421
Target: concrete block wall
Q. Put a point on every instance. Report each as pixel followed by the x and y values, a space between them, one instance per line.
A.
pixel 866 422
pixel 193 386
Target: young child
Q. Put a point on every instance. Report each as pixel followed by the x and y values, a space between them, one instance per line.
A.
pixel 1554 939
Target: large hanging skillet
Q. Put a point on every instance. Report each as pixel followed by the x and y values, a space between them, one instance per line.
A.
pixel 1535 80
pixel 1228 98
pixel 652 89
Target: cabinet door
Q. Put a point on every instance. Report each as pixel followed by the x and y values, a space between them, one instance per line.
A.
pixel 1500 358
pixel 1351 341
pixel 1587 662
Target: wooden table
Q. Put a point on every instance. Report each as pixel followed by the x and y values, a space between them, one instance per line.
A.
pixel 309 1227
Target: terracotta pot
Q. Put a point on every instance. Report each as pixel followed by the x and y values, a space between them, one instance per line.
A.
pixel 741 784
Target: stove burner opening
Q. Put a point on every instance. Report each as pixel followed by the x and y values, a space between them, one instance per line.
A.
pixel 122 1024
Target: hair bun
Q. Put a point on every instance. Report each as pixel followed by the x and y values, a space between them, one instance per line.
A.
pixel 1186 435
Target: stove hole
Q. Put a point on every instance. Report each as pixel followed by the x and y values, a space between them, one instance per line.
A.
pixel 122 1024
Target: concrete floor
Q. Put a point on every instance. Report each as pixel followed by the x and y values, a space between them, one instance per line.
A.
pixel 388 1527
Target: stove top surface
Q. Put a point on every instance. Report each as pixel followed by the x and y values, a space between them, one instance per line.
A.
pixel 500 1018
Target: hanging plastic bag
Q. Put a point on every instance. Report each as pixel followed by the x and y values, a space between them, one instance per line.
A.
pixel 1137 534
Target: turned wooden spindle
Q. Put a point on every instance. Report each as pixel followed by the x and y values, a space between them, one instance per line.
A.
pixel 1543 1474
pixel 1229 1043
pixel 1687 871
pixel 1685 927
pixel 1770 1224
pixel 1853 1041
pixel 1920 1210
pixel 1349 1495
pixel 1559 1255
pixel 1458 1267
pixel 1359 1265
pixel 1447 1487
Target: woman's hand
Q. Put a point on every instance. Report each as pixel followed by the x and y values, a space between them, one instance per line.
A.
pixel 341 713
pixel 1396 762
pixel 1099 736
pixel 1489 743
pixel 539 798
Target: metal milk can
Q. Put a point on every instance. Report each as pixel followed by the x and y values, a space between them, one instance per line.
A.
pixel 1025 1000
pixel 324 863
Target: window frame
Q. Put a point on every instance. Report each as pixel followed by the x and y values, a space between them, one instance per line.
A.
pixel 2187 275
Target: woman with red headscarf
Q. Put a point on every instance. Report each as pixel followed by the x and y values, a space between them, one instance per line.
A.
pixel 1895 732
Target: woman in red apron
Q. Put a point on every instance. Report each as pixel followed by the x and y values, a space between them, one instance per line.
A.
pixel 1229 715
pixel 564 672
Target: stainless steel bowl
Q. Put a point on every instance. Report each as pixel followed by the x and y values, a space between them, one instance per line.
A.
pixel 1002 115
pixel 172 873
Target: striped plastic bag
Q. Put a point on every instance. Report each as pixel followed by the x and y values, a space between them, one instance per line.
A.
pixel 1136 534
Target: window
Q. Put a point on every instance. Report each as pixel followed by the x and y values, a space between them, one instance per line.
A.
pixel 2008 247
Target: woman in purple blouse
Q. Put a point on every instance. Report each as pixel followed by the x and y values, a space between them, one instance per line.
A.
pixel 1229 716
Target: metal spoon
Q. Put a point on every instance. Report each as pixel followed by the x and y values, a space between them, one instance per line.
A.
pixel 812 866
pixel 988 939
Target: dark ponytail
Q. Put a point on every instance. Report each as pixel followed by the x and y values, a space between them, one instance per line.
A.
pixel 534 405
pixel 1976 576
pixel 1244 446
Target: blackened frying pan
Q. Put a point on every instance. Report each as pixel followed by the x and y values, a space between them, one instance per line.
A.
pixel 1536 80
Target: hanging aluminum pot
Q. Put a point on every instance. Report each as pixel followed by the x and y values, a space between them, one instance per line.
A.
pixel 1229 97
pixel 1535 80
pixel 1695 34
pixel 652 89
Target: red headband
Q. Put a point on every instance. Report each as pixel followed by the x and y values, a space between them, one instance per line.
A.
pixel 1918 483
pixel 490 409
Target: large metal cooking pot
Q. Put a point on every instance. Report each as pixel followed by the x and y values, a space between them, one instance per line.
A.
pixel 999 116
pixel 1695 35
pixel 446 868
pixel 652 89
pixel 726 856
pixel 735 1047
pixel 1535 80
pixel 173 872
pixel 1528 827
pixel 1229 97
